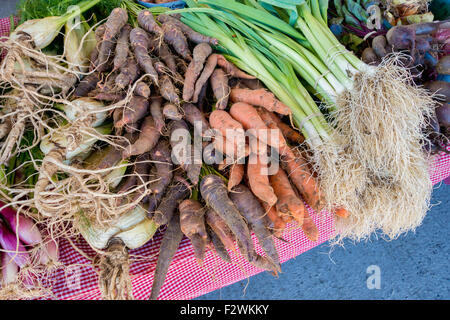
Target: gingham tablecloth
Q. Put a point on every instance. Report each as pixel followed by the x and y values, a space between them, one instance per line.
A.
pixel 186 279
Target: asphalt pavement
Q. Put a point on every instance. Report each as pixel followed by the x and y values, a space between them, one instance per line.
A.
pixel 414 266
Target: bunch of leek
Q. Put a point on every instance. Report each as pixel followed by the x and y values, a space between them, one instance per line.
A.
pixel 252 55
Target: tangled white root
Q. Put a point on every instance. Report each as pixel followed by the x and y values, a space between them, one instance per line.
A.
pixel 84 191
pixel 37 80
pixel 375 166
pixel 114 277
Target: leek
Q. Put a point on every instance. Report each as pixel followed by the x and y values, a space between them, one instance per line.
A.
pixel 313 52
pixel 251 56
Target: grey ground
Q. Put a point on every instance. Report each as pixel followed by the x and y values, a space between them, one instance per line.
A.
pixel 7 7
pixel 414 266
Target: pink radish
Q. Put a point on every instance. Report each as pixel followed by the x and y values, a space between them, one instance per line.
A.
pixel 49 252
pixel 12 247
pixel 25 227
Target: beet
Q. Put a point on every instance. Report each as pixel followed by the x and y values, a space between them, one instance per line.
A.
pixel 370 57
pixel 379 46
pixel 441 88
pixel 401 37
pixel 443 115
pixel 443 65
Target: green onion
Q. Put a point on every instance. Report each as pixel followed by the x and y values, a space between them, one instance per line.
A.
pixel 252 56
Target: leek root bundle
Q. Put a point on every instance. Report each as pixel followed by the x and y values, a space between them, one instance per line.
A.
pixel 38 79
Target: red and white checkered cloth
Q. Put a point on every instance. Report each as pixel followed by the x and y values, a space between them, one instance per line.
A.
pixel 186 279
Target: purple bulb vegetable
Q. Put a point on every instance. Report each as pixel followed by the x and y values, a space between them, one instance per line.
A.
pixel 12 247
pixel 25 227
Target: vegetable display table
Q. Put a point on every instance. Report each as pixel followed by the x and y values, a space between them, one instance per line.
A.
pixel 185 279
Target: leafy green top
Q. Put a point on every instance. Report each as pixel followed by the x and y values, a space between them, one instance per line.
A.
pixel 37 9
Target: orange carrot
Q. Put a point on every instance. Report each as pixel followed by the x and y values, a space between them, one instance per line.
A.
pixel 258 181
pixel 309 228
pixel 288 202
pixel 273 121
pixel 232 149
pixel 341 212
pixel 260 98
pixel 248 116
pixel 221 120
pixel 278 224
pixel 300 175
pixel 236 175
pixel 231 69
pixel 231 130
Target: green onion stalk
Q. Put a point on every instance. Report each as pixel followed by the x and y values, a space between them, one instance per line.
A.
pixel 275 72
pixel 368 141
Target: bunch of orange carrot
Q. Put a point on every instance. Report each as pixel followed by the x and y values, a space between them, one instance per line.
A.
pixel 283 192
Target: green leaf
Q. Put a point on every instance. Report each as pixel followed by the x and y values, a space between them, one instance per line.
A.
pixel 289 5
pixel 338 4
pixel 356 10
pixel 323 5
pixel 352 41
pixel 255 14
pixel 349 18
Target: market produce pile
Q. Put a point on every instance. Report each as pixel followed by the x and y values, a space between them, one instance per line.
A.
pixel 214 122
